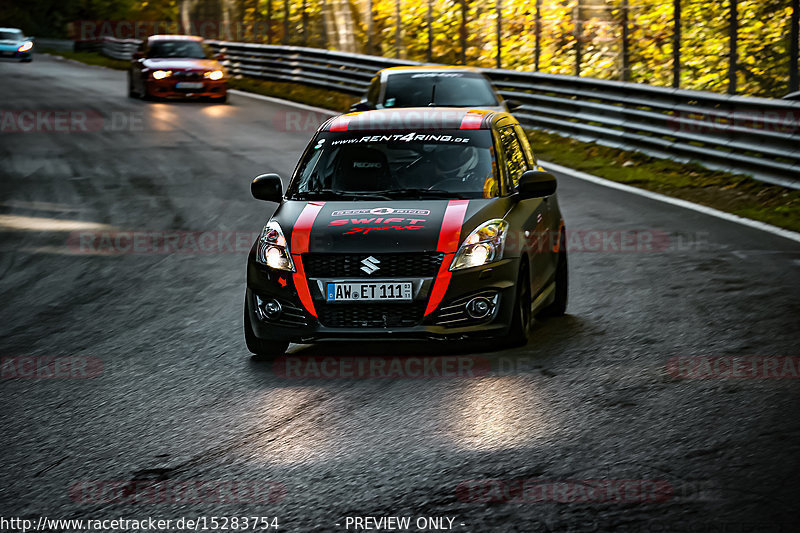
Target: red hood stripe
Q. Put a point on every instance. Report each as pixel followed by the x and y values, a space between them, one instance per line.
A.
pixel 300 239
pixel 449 239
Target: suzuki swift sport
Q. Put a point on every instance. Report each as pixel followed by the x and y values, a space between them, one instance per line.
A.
pixel 404 224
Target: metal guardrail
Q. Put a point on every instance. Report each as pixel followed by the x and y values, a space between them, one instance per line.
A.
pixel 755 136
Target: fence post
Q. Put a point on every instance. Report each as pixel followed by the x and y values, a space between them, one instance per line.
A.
pixel 463 32
pixel 269 21
pixel 430 31
pixel 626 67
pixel 578 38
pixel 676 43
pixel 398 31
pixel 733 24
pixel 538 31
pixel 304 20
pixel 499 9
pixel 285 39
pixel 794 48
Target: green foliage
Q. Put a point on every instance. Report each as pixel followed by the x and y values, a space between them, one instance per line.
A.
pixel 597 25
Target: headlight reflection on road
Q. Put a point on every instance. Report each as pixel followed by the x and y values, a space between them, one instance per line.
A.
pixel 165 117
pixel 23 223
pixel 495 413
pixel 291 426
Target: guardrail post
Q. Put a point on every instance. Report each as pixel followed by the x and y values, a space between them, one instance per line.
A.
pixel 626 67
pixel 733 24
pixel 538 31
pixel 304 19
pixel 499 9
pixel 794 48
pixel 676 43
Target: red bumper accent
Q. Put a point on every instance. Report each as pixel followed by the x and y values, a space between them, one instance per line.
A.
pixel 300 237
pixel 448 243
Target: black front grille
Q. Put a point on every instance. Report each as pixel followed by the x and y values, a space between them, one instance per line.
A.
pixel 371 315
pixel 410 265
pixel 187 75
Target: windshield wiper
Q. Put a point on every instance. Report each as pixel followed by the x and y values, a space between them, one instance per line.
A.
pixel 420 193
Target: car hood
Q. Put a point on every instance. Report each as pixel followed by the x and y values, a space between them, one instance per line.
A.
pixel 174 63
pixel 382 226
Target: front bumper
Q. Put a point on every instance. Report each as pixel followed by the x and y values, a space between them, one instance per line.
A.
pixel 168 88
pixel 385 320
pixel 15 54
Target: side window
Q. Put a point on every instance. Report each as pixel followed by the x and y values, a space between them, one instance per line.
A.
pixel 526 147
pixel 374 89
pixel 516 162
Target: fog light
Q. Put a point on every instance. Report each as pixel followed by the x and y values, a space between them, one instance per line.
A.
pixel 479 307
pixel 270 309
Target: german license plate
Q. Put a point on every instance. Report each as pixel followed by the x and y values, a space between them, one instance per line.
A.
pixel 369 292
pixel 189 85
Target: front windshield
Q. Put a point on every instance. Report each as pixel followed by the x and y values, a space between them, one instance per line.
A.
pixel 181 49
pixel 397 164
pixel 460 89
pixel 10 35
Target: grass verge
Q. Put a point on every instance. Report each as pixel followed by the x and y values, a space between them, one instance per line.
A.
pixel 91 58
pixel 732 193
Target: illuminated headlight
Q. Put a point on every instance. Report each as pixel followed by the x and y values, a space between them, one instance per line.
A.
pixel 27 45
pixel 214 75
pixel 272 250
pixel 483 246
pixel 161 74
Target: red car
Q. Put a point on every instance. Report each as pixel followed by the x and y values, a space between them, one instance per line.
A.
pixel 177 66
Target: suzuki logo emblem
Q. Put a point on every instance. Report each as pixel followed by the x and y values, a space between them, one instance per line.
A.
pixel 370 265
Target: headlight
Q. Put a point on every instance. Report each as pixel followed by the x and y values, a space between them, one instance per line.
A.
pixel 161 74
pixel 214 74
pixel 27 45
pixel 272 250
pixel 484 245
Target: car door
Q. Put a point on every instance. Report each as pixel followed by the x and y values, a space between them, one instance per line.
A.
pixel 528 217
pixel 548 229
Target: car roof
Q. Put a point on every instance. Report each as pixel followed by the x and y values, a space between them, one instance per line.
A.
pixel 428 68
pixel 416 118
pixel 167 37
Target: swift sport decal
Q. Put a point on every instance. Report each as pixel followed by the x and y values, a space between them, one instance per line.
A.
pixel 448 243
pixel 300 238
pixel 380 211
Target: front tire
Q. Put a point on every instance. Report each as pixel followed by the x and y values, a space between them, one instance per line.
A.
pixel 262 350
pixel 521 321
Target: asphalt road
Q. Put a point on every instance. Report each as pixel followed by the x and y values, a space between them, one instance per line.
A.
pixel 172 396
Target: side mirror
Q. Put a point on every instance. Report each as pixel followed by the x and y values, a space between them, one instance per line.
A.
pixel 536 184
pixel 363 105
pixel 220 56
pixel 513 105
pixel 268 187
